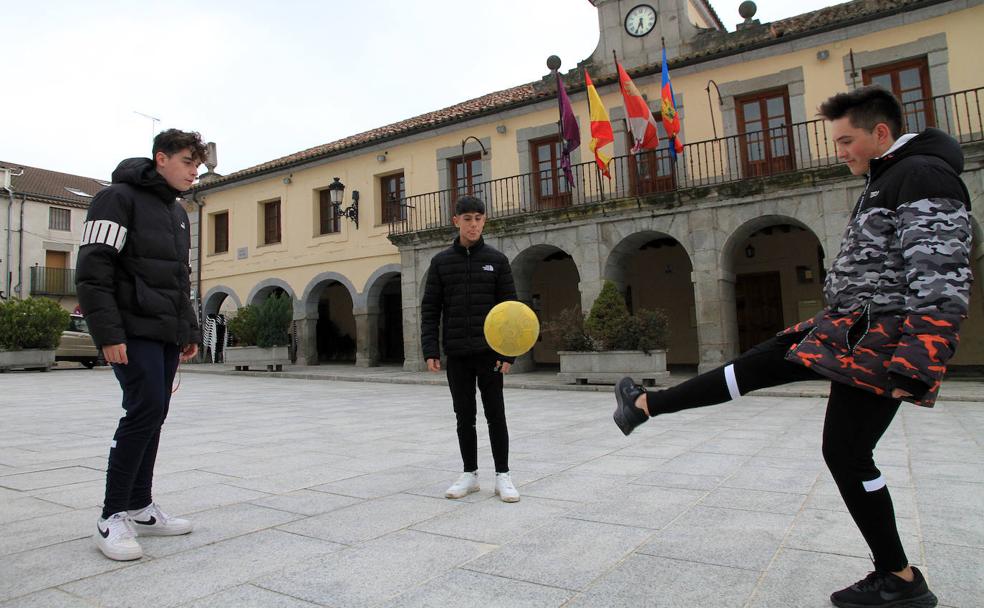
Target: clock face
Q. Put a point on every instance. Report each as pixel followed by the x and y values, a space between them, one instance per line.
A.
pixel 640 20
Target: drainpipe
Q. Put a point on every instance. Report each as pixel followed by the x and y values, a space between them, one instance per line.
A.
pixel 20 248
pixel 198 288
pixel 7 183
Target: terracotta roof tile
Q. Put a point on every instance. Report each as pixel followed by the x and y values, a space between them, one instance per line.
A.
pixel 51 186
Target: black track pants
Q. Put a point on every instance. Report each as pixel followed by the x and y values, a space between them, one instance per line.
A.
pixel 146 383
pixel 463 374
pixel 855 421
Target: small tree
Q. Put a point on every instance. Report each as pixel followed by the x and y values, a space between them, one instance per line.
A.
pixel 243 326
pixel 607 318
pixel 32 323
pixel 647 330
pixel 273 318
pixel 265 324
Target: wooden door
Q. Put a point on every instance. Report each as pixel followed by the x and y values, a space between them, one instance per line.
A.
pixel 758 300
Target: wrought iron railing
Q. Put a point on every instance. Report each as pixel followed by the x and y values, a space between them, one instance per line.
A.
pixel 785 149
pixel 47 281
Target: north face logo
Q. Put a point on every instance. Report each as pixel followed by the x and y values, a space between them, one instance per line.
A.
pixel 488 267
pixel 874 193
pixel 182 225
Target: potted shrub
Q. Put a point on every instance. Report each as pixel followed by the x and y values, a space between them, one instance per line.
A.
pixel 262 334
pixel 611 343
pixel 29 333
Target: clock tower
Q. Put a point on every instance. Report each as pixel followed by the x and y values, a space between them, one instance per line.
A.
pixel 636 30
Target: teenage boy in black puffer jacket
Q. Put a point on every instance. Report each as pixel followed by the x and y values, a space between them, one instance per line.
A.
pixel 133 283
pixel 464 282
pixel 895 296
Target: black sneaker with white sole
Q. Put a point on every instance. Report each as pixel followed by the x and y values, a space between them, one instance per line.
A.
pixel 885 590
pixel 627 416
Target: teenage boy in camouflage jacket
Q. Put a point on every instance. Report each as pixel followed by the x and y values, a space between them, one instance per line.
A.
pixel 895 296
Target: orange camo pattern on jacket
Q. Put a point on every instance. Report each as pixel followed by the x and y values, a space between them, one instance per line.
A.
pixel 851 349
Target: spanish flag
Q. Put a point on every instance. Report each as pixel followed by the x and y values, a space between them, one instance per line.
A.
pixel 601 128
pixel 671 121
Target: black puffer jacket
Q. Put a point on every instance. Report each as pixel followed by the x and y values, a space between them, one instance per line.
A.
pixel 463 284
pixel 132 275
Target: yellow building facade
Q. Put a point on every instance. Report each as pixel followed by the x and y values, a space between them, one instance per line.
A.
pixel 730 239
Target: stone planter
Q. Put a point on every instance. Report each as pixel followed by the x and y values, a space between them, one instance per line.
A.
pixel 244 357
pixel 610 366
pixel 40 360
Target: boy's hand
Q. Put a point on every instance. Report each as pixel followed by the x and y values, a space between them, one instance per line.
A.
pixel 188 352
pixel 115 353
pixel 503 367
pixel 433 365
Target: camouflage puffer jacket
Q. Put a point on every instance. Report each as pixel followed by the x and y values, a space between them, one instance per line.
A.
pixel 900 285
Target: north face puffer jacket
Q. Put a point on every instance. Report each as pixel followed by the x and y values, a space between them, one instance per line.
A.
pixel 900 286
pixel 463 284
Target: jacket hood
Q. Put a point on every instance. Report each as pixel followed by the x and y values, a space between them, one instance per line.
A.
pixel 142 173
pixel 931 142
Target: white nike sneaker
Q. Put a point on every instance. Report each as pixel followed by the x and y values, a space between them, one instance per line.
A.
pixel 505 489
pixel 152 521
pixel 466 484
pixel 116 538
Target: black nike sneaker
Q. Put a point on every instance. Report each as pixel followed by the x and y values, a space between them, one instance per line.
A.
pixel 627 416
pixel 883 590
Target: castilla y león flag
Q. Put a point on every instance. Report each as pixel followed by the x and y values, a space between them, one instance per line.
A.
pixel 641 122
pixel 601 128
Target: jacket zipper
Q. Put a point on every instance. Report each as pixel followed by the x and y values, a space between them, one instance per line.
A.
pixel 468 297
pixel 866 316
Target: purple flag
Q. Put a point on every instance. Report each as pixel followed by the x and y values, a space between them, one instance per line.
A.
pixel 570 134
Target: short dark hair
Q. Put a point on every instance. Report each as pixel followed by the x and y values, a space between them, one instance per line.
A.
pixel 469 204
pixel 865 108
pixel 173 140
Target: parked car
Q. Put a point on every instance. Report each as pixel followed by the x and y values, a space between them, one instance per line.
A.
pixel 76 344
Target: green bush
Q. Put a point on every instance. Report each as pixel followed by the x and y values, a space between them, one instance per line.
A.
pixel 242 327
pixel 273 317
pixel 33 323
pixel 265 324
pixel 608 316
pixel 647 330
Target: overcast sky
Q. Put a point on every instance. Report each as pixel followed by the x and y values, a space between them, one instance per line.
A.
pixel 267 79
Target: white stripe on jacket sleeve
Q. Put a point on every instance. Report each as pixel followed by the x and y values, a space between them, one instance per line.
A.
pixel 103 232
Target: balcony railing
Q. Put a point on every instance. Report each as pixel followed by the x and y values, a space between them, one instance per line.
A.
pixel 46 281
pixel 786 149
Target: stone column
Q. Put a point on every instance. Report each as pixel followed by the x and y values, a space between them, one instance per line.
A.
pixel 411 277
pixel 366 336
pixel 714 295
pixel 307 340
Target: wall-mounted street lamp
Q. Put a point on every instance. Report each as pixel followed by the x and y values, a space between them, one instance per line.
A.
pixel 336 190
pixel 710 107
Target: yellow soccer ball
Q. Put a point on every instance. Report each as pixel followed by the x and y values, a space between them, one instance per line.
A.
pixel 511 328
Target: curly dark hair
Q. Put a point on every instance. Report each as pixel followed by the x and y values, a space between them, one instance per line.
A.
pixel 866 107
pixel 469 204
pixel 174 140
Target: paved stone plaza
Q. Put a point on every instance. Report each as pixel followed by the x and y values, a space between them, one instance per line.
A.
pixel 326 493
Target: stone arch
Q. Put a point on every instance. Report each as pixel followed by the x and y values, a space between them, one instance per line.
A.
pixel 777 264
pixel 380 335
pixel 327 319
pixel 214 297
pixel 309 303
pixel 548 291
pixel 265 287
pixel 377 281
pixel 653 270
